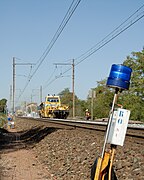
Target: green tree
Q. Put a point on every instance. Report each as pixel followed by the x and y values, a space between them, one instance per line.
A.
pixel 134 98
pixel 66 97
pixel 3 105
pixel 136 62
pixel 102 102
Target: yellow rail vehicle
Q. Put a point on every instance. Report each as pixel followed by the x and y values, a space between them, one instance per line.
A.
pixel 52 108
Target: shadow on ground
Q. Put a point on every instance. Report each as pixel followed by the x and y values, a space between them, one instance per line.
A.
pixel 11 141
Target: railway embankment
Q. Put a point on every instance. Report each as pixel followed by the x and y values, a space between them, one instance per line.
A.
pixel 69 153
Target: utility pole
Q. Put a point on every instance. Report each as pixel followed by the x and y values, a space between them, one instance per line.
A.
pixel 92 96
pixel 73 90
pixel 13 106
pixel 73 82
pixel 14 75
pixel 92 101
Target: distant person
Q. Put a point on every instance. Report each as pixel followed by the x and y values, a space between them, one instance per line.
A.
pixel 87 115
pixel 10 121
pixel 9 118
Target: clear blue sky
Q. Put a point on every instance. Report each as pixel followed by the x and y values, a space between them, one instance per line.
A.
pixel 28 26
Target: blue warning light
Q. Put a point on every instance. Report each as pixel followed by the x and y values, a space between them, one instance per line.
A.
pixel 119 77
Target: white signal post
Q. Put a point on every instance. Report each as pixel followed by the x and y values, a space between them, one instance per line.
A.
pixel 118 127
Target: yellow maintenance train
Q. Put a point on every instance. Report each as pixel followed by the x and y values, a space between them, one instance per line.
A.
pixel 52 108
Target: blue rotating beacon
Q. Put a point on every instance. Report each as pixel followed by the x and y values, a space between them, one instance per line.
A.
pixel 119 77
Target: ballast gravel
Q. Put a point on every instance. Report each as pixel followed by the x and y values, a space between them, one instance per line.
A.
pixel 68 154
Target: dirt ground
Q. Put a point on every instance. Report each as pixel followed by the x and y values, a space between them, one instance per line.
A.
pixel 22 164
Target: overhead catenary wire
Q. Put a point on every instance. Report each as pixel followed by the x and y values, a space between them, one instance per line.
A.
pixel 52 74
pixel 64 22
pixel 56 77
pixel 61 27
pixel 116 32
pixel 112 35
pixel 103 43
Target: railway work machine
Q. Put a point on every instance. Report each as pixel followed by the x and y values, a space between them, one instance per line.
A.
pixel 52 108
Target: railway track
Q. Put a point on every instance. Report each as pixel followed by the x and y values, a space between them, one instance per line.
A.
pixel 67 151
pixel 136 131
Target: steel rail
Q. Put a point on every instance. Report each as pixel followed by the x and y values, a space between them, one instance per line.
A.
pixel 132 131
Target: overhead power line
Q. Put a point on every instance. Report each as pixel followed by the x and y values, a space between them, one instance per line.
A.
pixel 131 20
pixel 64 22
pixel 51 75
pixel 120 29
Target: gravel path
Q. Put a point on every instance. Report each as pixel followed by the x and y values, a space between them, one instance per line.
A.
pixel 68 154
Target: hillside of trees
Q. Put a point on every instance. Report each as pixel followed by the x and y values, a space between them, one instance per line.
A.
pixel 133 99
